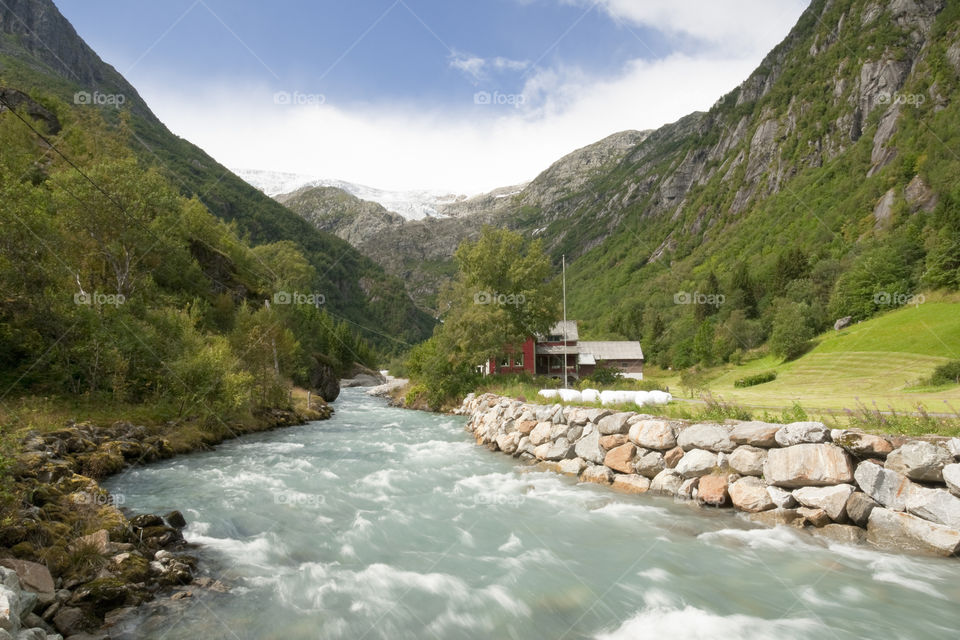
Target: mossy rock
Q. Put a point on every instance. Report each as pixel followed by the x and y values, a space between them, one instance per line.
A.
pixel 57 559
pixel 131 568
pixel 101 463
pixel 24 550
pixel 104 594
pixel 43 494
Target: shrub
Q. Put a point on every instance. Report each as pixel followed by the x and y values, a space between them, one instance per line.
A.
pixel 604 376
pixel 948 373
pixel 760 378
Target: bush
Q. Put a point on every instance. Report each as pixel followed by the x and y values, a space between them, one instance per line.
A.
pixel 604 376
pixel 760 378
pixel 945 374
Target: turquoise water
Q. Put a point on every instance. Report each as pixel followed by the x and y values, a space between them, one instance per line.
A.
pixel 386 523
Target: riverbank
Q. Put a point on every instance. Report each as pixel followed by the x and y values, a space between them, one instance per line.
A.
pixel 72 547
pixel 893 492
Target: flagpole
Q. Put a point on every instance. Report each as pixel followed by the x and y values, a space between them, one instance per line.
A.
pixel 563 260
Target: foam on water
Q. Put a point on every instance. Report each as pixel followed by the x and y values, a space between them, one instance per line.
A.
pixel 692 623
pixel 385 523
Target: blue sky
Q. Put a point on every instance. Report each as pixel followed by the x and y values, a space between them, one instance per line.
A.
pixel 385 92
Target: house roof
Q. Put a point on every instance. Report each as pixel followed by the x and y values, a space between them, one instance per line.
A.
pixel 586 358
pixel 612 350
pixel 558 349
pixel 557 330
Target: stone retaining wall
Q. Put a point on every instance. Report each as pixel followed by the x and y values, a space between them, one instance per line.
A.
pixel 894 492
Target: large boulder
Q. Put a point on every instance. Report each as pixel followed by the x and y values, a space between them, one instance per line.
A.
pixel 862 445
pixel 653 434
pixel 833 500
pixel 552 451
pixel 782 498
pixel 808 465
pixel 672 457
pixel 572 466
pixel 508 442
pixel 588 447
pixel 747 460
pixel 324 380
pixel 814 516
pixel 750 494
pixel 33 577
pixel 631 483
pixel 712 437
pixel 649 464
pixel 615 423
pixel 713 490
pixel 842 533
pixel 598 474
pixel 667 481
pixel 756 434
pixel 904 532
pixel 612 442
pixel 621 458
pixel 541 433
pixel 696 463
pixel 887 487
pixel 920 460
pixel 801 433
pixel 935 505
pixel 951 476
pixel 859 506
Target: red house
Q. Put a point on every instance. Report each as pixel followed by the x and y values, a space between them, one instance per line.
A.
pixel 547 355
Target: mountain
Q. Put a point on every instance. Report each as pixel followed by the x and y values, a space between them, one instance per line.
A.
pixel 412 205
pixel 42 55
pixel 821 187
pixel 420 252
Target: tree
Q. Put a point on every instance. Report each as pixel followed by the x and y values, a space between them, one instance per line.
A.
pixel 791 330
pixel 501 295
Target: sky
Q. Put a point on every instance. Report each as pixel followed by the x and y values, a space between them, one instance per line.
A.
pixel 450 95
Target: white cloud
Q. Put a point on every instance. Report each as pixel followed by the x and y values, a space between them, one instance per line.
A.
pixel 732 25
pixel 476 68
pixel 469 148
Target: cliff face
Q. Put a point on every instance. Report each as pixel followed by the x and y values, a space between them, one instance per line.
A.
pixel 853 85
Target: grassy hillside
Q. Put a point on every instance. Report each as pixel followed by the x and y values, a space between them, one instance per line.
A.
pixel 882 360
pixel 42 55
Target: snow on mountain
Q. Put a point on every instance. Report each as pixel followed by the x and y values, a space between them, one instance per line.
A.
pixel 412 205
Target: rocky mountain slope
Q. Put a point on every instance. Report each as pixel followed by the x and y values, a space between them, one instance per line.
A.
pixel 821 185
pixel 420 251
pixel 42 55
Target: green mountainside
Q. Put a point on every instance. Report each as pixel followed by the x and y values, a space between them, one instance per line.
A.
pixel 42 55
pixel 822 187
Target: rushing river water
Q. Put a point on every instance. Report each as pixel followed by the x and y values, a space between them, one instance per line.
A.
pixel 386 523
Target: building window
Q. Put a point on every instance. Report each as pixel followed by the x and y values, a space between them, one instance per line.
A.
pixel 555 338
pixel 518 361
pixel 505 363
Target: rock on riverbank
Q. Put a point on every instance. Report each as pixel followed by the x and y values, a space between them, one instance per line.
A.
pixel 77 560
pixel 897 493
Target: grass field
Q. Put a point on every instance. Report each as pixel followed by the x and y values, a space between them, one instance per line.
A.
pixel 880 362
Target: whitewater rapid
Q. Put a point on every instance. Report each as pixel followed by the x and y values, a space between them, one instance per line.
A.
pixel 386 523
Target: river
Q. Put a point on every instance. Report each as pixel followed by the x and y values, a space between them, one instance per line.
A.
pixel 387 523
